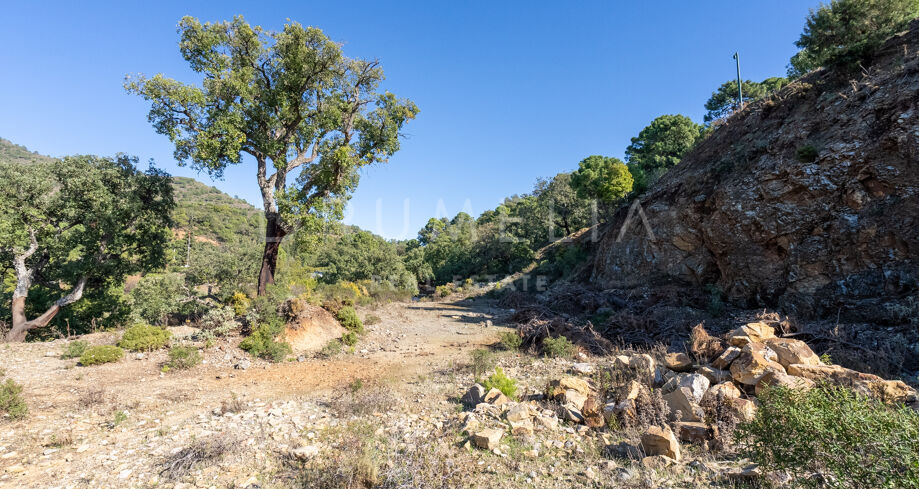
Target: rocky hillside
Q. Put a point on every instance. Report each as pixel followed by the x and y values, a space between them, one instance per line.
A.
pixel 15 153
pixel 807 200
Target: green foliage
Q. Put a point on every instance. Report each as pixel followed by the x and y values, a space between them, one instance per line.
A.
pixel 143 337
pixel 362 255
pixel 12 404
pixel 240 303
pixel 349 339
pixel 95 220
pixel 219 322
pixel 559 347
pixel 156 296
pixel 371 319
pixel 118 418
pixel 348 318
pixel 662 144
pixel 444 290
pixel 74 349
pixel 502 382
pixel 845 32
pixel 826 359
pixel 605 178
pixel 263 342
pixel 96 355
pixel 482 361
pixel 723 101
pixel 511 340
pixel 851 440
pixel 332 348
pixel 807 153
pixel 183 357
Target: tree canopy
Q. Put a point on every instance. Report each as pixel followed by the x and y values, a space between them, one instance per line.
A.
pixel 723 101
pixel 79 224
pixel 288 99
pixel 604 178
pixel 845 32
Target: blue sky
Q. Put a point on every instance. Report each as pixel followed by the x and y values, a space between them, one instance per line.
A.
pixel 508 91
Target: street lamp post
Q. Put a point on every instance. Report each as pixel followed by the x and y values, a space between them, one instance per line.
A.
pixel 739 83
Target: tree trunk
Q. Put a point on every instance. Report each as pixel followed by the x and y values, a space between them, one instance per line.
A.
pixel 274 233
pixel 21 326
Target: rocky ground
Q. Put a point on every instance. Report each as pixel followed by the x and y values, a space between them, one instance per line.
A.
pixel 402 410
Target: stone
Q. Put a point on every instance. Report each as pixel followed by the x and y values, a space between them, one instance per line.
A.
pixel 751 333
pixel 518 412
pixel 496 397
pixel 890 391
pixel 678 362
pixel 790 351
pixel 660 441
pixel 548 422
pixel 243 364
pixel 727 356
pixel 745 408
pixel 582 368
pixel 559 386
pixel 573 415
pixel 521 427
pixel 474 395
pixel 714 375
pixel 488 409
pixel 693 432
pixel 645 367
pixel 724 391
pixel 573 398
pixel 305 452
pixel 593 413
pixel 470 423
pixel 696 383
pixel 630 391
pixel 488 438
pixel 657 462
pixel 624 450
pixel 773 378
pixel 754 361
pixel 682 400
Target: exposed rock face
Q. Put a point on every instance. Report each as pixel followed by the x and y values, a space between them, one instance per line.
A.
pixel 310 328
pixel 771 228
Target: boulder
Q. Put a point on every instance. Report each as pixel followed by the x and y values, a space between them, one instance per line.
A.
pixel 696 383
pixel 692 432
pixel 496 397
pixel 573 398
pixel 682 400
pixel 474 395
pixel 890 391
pixel 305 453
pixel 660 441
pixel 773 378
pixel 593 413
pixel 744 408
pixel 630 391
pixel 646 368
pixel 518 412
pixel 754 361
pixel 521 427
pixel 678 362
pixel 548 422
pixel 309 327
pixel 488 438
pixel 727 356
pixel 751 333
pixel 714 375
pixel 724 391
pixel 790 351
pixel 582 368
pixel 559 386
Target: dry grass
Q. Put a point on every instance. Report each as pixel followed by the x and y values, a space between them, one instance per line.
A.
pixel 92 397
pixel 201 453
pixel 363 400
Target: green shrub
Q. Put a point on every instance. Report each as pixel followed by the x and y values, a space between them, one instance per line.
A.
pixel 559 347
pixel 511 340
pixel 239 303
pixel 347 316
pixel 219 322
pixel 332 348
pixel 503 383
pixel 11 402
pixel 143 337
pixel 96 355
pixel 372 319
pixel 349 338
pixel 851 440
pixel 156 296
pixel 482 361
pixel 183 357
pixel 806 154
pixel 445 290
pixel 74 349
pixel 263 342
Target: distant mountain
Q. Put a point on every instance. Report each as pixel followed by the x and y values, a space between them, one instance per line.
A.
pixel 15 153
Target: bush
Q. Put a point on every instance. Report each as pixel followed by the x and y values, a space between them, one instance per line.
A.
pixel 143 337
pixel 74 349
pixel 559 347
pixel 101 354
pixel 482 361
pixel 239 303
pixel 807 154
pixel 347 316
pixel 332 348
pixel 156 296
pixel 183 357
pixel 263 342
pixel 219 322
pixel 445 290
pixel 349 338
pixel 11 402
pixel 503 383
pixel 511 340
pixel 372 319
pixel 850 440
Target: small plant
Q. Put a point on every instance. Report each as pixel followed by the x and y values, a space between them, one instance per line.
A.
pixel 263 341
pixel 807 153
pixel 848 439
pixel 715 305
pixel 503 383
pixel 74 349
pixel 12 404
pixel 349 338
pixel 330 349
pixel 482 361
pixel 347 316
pixel 96 355
pixel 118 418
pixel 826 359
pixel 183 357
pixel 219 322
pixel 511 341
pixel 444 290
pixel 559 347
pixel 143 337
pixel 356 385
pixel 239 302
pixel 372 319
